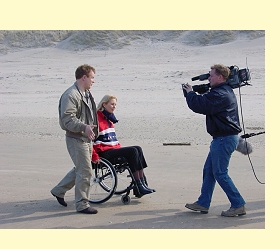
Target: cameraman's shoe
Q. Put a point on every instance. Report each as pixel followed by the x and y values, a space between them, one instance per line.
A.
pixel 196 207
pixel 232 212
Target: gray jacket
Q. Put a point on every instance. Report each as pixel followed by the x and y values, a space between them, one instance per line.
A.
pixel 75 113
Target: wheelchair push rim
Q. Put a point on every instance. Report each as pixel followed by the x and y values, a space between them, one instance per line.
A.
pixel 103 182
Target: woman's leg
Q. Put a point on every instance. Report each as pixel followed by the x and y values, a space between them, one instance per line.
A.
pixel 141 157
pixel 130 153
pixel 136 175
pixel 143 165
pixel 134 160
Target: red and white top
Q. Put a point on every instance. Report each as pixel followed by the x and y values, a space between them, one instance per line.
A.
pixel 107 139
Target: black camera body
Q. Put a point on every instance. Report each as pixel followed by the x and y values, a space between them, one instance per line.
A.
pixel 237 78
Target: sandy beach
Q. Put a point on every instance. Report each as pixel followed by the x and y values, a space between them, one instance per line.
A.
pixel 146 77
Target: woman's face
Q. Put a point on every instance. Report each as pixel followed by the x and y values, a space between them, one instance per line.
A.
pixel 110 106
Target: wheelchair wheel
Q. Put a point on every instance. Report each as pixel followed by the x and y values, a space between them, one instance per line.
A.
pixel 125 199
pixel 124 180
pixel 103 182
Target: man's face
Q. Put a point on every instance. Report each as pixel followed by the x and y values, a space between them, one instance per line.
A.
pixel 88 81
pixel 215 79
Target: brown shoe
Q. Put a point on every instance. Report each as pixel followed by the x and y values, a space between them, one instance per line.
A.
pixel 232 212
pixel 196 207
pixel 60 200
pixel 89 210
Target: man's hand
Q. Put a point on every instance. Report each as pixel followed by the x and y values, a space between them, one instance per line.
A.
pixel 187 87
pixel 89 132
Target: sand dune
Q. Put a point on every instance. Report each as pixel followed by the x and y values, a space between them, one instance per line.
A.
pixel 116 39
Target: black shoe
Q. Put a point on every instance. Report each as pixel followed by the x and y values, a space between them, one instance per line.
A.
pixel 89 210
pixel 136 192
pixel 60 200
pixel 146 185
pixel 142 189
pixel 150 189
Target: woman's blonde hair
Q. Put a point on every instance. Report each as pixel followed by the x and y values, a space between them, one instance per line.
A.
pixel 105 100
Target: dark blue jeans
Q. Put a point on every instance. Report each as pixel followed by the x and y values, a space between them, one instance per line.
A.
pixel 216 169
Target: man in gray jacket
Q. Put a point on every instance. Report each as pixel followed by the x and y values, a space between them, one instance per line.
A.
pixel 77 116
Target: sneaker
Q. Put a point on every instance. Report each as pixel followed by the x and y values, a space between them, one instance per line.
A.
pixel 232 212
pixel 196 207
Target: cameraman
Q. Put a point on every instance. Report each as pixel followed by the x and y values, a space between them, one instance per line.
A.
pixel 222 122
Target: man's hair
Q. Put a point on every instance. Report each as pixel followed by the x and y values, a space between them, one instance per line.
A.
pixel 220 69
pixel 105 100
pixel 83 70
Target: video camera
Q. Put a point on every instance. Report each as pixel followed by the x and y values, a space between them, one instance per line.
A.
pixel 237 78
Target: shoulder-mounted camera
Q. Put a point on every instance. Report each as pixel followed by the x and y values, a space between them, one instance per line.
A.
pixel 237 78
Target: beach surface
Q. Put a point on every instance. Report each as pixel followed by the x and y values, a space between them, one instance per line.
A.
pixel 146 77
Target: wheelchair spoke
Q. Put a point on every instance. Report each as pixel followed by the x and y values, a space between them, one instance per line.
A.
pixel 103 182
pixel 124 179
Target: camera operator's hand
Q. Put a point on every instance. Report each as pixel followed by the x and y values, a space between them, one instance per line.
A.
pixel 187 87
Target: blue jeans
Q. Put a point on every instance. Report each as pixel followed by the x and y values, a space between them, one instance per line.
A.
pixel 216 169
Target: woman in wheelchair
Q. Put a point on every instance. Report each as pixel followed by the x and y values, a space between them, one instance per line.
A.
pixel 107 146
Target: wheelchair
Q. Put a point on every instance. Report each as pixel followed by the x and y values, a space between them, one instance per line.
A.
pixel 112 177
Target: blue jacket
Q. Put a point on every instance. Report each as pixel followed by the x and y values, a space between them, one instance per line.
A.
pixel 220 107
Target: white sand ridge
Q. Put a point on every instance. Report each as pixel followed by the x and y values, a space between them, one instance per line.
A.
pixel 116 39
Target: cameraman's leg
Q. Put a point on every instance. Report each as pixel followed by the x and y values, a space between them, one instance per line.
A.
pixel 222 151
pixel 208 183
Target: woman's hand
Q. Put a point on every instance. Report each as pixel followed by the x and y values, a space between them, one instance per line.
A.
pixel 97 161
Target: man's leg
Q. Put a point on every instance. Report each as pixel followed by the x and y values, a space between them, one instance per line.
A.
pixel 65 184
pixel 208 183
pixel 80 153
pixel 223 148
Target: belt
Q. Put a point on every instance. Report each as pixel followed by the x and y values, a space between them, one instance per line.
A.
pixel 73 134
pixel 78 136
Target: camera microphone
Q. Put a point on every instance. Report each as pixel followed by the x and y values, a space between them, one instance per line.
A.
pixel 201 77
pixel 195 78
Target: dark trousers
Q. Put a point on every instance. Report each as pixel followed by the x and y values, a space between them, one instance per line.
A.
pixel 133 154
